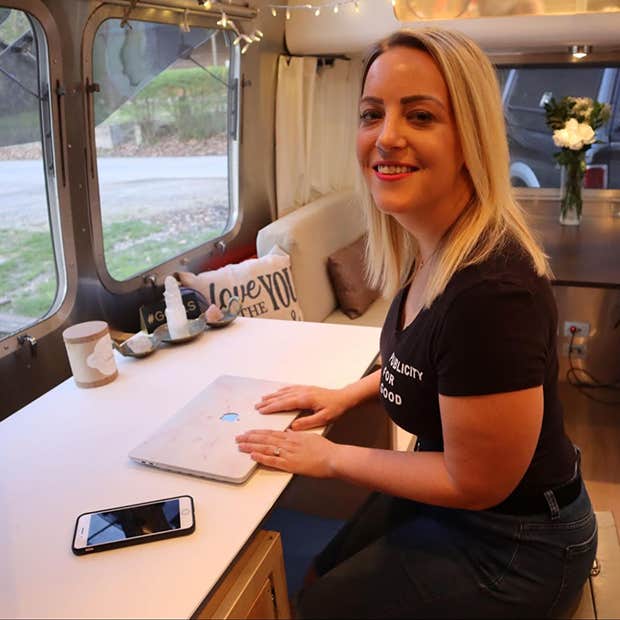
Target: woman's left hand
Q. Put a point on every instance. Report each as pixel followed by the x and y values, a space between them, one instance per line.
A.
pixel 296 452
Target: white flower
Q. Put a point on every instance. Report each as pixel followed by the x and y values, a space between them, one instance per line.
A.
pixel 574 135
pixel 584 106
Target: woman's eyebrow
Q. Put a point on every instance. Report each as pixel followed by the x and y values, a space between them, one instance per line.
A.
pixel 404 100
pixel 369 99
pixel 416 98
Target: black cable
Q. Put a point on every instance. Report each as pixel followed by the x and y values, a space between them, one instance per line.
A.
pixel 592 383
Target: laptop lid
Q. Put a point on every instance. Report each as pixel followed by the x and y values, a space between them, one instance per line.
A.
pixel 200 438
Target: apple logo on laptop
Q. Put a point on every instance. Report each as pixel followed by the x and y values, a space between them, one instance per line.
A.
pixel 230 417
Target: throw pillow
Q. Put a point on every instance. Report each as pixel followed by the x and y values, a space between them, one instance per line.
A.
pixel 346 272
pixel 263 285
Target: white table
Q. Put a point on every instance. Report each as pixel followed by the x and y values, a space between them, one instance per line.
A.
pixel 66 453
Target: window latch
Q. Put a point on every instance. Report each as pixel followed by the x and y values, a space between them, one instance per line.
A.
pixel 31 341
pixel 93 87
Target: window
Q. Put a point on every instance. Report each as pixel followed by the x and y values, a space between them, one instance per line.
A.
pixel 30 279
pixel 163 136
pixel 525 91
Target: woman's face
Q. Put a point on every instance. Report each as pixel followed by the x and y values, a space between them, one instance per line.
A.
pixel 407 143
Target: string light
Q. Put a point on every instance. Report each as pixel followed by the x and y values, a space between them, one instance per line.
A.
pixel 257 35
pixel 318 7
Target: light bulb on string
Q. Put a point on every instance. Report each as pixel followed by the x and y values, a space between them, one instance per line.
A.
pixel 356 6
pixel 273 11
pixel 288 14
pixel 336 8
pixel 317 12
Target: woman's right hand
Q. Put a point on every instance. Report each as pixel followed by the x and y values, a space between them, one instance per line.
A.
pixel 326 405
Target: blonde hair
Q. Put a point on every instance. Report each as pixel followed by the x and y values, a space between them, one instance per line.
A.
pixel 492 215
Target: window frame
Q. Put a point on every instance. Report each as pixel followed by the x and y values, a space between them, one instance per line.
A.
pixel 155 274
pixel 550 59
pixel 52 118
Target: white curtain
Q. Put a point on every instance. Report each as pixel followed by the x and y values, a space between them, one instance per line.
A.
pixel 316 116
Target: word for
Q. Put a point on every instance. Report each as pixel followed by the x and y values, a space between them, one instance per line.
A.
pixel 390 396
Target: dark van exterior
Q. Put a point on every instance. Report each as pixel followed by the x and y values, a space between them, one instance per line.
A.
pixel 525 92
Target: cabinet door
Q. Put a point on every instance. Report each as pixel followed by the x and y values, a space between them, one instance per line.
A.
pixel 264 606
pixel 255 585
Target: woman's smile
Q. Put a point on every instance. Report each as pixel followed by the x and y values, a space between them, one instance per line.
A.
pixel 393 171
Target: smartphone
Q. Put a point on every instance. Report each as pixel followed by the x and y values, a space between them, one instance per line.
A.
pixel 132 525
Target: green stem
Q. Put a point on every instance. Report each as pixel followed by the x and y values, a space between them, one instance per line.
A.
pixel 573 178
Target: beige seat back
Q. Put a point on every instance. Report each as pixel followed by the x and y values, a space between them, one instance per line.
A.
pixel 309 235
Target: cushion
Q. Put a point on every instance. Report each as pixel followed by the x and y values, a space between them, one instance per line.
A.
pixel 263 285
pixel 346 271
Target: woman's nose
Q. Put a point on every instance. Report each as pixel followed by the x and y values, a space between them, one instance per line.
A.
pixel 391 135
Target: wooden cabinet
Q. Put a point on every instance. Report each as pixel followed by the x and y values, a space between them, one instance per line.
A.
pixel 255 585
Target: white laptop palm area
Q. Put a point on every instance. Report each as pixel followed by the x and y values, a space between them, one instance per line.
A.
pixel 200 438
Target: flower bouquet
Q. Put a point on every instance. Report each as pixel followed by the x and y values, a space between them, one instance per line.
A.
pixel 574 121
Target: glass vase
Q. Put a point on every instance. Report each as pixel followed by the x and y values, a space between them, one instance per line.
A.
pixel 571 202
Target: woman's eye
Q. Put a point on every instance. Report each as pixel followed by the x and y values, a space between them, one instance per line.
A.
pixel 369 115
pixel 420 116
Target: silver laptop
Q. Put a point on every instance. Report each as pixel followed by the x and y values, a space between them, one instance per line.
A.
pixel 200 438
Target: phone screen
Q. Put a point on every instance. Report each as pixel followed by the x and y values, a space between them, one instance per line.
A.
pixel 115 525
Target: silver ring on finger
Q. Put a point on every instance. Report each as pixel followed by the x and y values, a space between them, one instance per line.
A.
pixel 276 451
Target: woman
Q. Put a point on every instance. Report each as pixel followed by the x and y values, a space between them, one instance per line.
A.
pixel 488 517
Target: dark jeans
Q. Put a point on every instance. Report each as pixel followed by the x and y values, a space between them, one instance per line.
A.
pixel 402 559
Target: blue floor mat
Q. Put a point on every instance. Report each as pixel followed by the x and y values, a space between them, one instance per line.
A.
pixel 303 537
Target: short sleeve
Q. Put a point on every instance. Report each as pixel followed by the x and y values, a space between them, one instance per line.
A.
pixel 494 338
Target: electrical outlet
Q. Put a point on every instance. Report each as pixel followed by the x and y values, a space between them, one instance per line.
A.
pixel 583 329
pixel 579 351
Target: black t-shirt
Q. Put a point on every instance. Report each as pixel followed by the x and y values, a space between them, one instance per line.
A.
pixel 492 330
